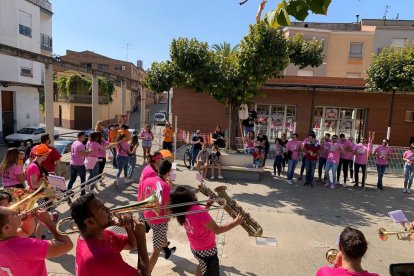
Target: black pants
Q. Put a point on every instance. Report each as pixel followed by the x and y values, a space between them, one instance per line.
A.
pixel 364 171
pixel 351 169
pixel 167 146
pixel 212 262
pixel 344 164
pixel 101 166
pixel 302 168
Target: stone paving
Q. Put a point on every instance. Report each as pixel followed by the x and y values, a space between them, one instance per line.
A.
pixel 304 221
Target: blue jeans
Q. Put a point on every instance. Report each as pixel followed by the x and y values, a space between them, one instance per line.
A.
pixel 381 171
pixel 321 164
pixel 291 168
pixel 334 166
pixel 408 175
pixel 74 172
pixel 132 161
pixel 194 154
pixel 310 170
pixel 278 164
pixel 122 162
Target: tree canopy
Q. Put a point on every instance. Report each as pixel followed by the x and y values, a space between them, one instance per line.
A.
pixel 392 70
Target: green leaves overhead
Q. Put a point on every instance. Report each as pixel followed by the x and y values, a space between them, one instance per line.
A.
pixel 305 53
pixel 298 9
pixel 392 70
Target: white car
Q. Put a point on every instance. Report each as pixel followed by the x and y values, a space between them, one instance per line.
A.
pixel 159 119
pixel 31 133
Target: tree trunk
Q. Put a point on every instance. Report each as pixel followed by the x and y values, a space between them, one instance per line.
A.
pixel 233 127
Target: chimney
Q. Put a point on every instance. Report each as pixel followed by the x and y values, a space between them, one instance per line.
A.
pixel 357 18
pixel 140 64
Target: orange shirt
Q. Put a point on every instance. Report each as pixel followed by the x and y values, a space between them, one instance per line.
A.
pixel 112 136
pixel 126 133
pixel 168 135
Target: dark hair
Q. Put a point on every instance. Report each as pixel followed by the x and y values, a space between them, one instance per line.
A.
pixel 134 140
pixel 329 135
pixel 120 137
pixel 80 134
pixel 44 138
pixel 116 125
pixel 279 141
pixel 164 167
pixel 99 137
pixel 93 137
pixel 80 210
pixel 151 158
pixel 181 194
pixel 353 243
pixel 312 135
pixel 295 134
pixel 124 126
pixel 311 132
pixel 334 136
pixel 4 219
pixel 341 135
pixel 5 195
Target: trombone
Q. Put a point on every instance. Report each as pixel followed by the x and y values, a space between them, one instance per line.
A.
pixel 401 235
pixel 149 204
pixel 331 255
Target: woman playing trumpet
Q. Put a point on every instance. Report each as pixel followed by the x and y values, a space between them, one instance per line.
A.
pixel 201 230
pixel 352 247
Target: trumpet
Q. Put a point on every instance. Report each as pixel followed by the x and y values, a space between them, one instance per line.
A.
pixel 401 235
pixel 149 204
pixel 331 255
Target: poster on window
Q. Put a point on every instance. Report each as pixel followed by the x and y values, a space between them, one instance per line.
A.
pixel 331 113
pixel 330 126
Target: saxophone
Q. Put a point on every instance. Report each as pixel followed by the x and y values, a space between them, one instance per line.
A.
pixel 233 209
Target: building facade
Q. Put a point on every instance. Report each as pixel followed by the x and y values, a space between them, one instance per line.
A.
pixel 24 24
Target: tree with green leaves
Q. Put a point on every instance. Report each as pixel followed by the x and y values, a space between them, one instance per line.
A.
pixel 225 48
pixel 233 79
pixel 390 71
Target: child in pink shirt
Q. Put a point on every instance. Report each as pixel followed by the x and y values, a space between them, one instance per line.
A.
pixel 201 230
pixel 11 172
pixel 382 154
pixel 408 157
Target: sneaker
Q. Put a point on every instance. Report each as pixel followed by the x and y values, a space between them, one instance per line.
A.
pixel 192 168
pixel 220 177
pixel 351 180
pixel 355 185
pixel 404 190
pixel 327 184
pixel 289 182
pixel 332 187
pixel 212 178
pixel 169 251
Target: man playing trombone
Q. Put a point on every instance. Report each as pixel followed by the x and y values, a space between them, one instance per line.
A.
pixel 98 249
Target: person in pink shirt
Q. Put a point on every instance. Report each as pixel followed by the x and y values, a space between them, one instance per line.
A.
pixel 26 256
pixel 201 230
pixel 159 226
pixel 361 152
pixel 350 155
pixel 293 147
pixel 101 153
pixel 98 249
pixel 323 155
pixel 147 137
pixel 11 172
pixel 122 155
pixel 345 158
pixel 78 152
pixel 332 161
pixel 35 171
pixel 92 160
pixel 382 155
pixel 408 158
pixel 352 247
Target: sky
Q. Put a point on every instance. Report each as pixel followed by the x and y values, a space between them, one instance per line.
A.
pixel 147 26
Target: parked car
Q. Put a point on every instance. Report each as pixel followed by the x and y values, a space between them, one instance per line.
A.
pixel 63 146
pixel 31 133
pixel 159 119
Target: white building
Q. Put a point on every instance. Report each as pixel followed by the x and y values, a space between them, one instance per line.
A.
pixel 24 24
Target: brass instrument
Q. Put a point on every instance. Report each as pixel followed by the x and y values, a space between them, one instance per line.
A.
pixel 233 209
pixel 401 235
pixel 331 255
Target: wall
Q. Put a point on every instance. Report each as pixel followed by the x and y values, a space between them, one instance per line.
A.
pixel 384 37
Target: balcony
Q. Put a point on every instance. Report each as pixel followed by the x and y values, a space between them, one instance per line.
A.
pixel 82 99
pixel 46 42
pixel 44 5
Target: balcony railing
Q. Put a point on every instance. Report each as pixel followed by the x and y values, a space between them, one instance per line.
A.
pixel 43 4
pixel 84 99
pixel 46 42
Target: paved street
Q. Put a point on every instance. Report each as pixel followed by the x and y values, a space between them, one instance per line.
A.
pixel 305 222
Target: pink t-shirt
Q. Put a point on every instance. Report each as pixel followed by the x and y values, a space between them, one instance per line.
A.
pixel 147 172
pixel 148 187
pixel 102 149
pixel 102 257
pixel 409 155
pixel 76 158
pixel 146 135
pixel 294 147
pixel 23 256
pixel 200 237
pixel 32 169
pixel 339 271
pixel 361 153
pixel 348 146
pixel 122 149
pixel 94 147
pixel 9 177
pixel 325 149
pixel 334 152
pixel 382 153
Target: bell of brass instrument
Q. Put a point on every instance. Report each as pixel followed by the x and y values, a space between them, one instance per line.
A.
pixel 401 235
pixel 331 255
pixel 233 209
pixel 150 202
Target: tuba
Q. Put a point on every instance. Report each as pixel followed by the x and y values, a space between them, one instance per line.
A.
pixel 233 209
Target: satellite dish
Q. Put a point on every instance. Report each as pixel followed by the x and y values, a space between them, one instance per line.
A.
pixel 243 112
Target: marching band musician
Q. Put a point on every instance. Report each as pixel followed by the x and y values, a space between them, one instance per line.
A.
pixel 98 250
pixel 201 230
pixel 352 247
pixel 26 256
pixel 159 226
